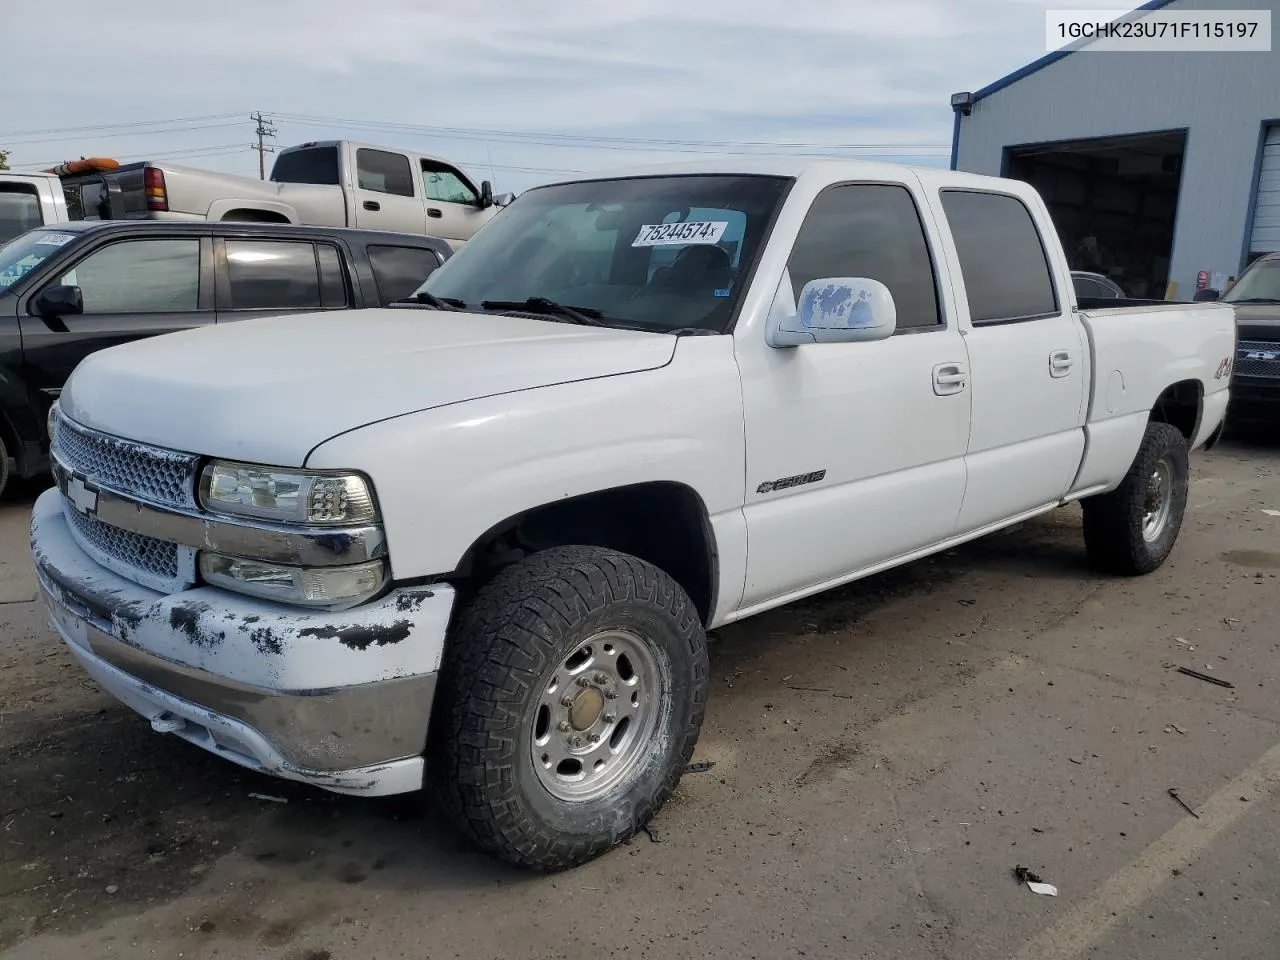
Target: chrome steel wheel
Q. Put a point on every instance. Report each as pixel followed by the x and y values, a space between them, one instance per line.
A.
pixel 1158 505
pixel 597 715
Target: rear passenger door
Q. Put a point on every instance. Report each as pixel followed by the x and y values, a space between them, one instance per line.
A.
pixel 386 194
pixel 268 277
pixel 399 271
pixel 1028 360
pixel 132 289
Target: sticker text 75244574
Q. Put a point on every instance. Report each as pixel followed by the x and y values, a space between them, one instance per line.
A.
pixel 672 234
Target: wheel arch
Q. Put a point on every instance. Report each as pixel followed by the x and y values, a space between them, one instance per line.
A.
pixel 1181 405
pixel 665 523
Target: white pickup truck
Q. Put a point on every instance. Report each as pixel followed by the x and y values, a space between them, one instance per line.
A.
pixel 29 200
pixel 475 543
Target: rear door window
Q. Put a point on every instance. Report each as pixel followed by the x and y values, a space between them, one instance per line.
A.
pixel 273 275
pixel 384 172
pixel 311 165
pixel 1002 257
pixel 398 271
pixel 139 276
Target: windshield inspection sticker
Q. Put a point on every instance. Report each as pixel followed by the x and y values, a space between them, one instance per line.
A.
pixel 53 239
pixel 672 234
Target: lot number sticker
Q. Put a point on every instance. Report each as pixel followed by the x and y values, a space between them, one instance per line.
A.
pixel 53 239
pixel 672 234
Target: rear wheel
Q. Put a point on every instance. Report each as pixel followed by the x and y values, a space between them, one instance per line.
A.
pixel 571 697
pixel 1132 530
pixel 4 467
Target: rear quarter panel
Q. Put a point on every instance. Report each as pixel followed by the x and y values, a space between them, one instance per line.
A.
pixel 1136 354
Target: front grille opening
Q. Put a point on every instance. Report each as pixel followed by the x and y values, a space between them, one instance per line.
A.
pixel 156 557
pixel 162 476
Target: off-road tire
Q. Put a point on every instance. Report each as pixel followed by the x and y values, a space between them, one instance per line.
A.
pixel 1113 522
pixel 503 646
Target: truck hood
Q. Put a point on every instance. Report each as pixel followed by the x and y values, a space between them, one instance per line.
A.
pixel 1257 321
pixel 269 390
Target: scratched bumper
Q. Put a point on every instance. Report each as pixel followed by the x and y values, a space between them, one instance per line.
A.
pixel 338 700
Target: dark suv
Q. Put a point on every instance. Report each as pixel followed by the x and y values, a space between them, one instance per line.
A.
pixel 1255 378
pixel 73 288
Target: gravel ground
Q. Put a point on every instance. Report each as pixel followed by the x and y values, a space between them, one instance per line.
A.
pixel 883 757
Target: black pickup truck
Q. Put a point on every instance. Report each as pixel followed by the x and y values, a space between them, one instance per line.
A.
pixel 69 289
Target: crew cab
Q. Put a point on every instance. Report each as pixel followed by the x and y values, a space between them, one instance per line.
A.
pixel 480 550
pixel 79 287
pixel 333 183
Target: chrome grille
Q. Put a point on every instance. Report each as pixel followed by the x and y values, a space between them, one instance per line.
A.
pixel 152 473
pixel 106 543
pixel 1265 363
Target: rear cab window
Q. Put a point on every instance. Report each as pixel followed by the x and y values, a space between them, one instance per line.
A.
pixel 19 210
pixel 1002 257
pixel 317 165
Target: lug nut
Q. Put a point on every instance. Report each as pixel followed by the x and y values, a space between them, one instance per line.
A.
pixel 602 678
pixel 593 737
pixel 575 741
pixel 610 718
pixel 584 682
pixel 610 695
pixel 566 701
pixel 563 726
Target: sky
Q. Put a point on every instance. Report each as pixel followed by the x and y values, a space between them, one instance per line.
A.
pixel 518 91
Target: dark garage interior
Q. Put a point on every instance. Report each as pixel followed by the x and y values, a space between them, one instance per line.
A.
pixel 1114 201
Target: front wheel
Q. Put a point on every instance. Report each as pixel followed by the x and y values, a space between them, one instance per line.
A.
pixel 1132 530
pixel 571 697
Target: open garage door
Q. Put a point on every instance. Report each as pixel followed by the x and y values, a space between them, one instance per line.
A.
pixel 1114 201
pixel 1265 237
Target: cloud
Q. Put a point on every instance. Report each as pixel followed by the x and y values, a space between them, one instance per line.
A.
pixel 808 71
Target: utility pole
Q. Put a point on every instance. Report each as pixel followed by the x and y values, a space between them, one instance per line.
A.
pixel 263 131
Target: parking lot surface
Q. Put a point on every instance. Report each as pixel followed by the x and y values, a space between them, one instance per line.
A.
pixel 884 756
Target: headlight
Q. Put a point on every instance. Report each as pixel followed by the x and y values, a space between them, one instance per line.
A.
pixel 287 496
pixel 51 421
pixel 329 587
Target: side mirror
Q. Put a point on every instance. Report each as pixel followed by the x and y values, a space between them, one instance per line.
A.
pixel 504 199
pixel 832 310
pixel 1209 294
pixel 486 194
pixel 58 302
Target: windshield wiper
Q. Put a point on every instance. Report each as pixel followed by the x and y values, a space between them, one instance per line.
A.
pixel 587 316
pixel 422 298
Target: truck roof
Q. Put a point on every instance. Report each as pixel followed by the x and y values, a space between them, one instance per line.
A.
pixel 359 144
pixel 244 228
pixel 833 168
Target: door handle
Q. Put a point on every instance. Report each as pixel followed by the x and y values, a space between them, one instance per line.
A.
pixel 949 378
pixel 1060 363
pixel 372 205
pixel 434 213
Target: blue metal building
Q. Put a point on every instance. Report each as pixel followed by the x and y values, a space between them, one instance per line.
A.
pixel 1156 166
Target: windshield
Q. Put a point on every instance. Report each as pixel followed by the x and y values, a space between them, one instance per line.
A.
pixel 654 253
pixel 23 254
pixel 1260 282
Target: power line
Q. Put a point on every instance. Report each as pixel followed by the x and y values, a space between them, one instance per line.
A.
pixel 587 141
pixel 79 135
pixel 263 131
pixel 82 128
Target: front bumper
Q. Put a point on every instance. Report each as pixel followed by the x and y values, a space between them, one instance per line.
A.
pixel 1255 397
pixel 338 700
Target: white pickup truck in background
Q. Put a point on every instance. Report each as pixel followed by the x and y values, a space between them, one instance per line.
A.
pixel 333 183
pixel 479 550
pixel 29 200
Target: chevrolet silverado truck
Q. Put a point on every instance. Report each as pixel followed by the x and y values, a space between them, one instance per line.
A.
pixel 87 285
pixel 334 183
pixel 478 549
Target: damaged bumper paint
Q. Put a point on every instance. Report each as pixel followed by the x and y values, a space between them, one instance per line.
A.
pixel 338 700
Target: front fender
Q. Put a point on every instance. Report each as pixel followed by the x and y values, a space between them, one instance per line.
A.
pixel 443 477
